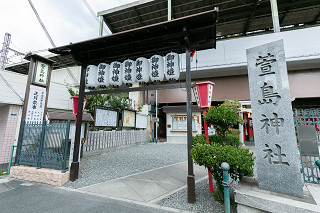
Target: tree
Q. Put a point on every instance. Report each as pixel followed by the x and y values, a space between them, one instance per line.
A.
pixel 212 154
pixel 224 116
pixel 115 101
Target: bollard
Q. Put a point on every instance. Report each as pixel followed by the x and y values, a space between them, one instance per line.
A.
pixel 318 163
pixel 225 183
pixel 11 156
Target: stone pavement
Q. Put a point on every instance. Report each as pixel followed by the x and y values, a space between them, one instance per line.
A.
pixel 147 187
pixel 24 197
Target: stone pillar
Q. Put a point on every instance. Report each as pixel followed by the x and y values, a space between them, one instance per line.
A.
pixel 277 158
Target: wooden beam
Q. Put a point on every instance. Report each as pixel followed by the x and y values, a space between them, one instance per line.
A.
pixel 135 89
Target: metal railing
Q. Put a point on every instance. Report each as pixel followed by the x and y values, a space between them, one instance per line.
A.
pixel 44 144
pixel 308 143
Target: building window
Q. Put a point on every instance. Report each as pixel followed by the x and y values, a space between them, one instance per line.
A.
pixel 179 122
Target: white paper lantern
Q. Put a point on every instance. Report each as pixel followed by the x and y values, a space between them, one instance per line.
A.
pixel 103 75
pixel 156 68
pixel 142 70
pixel 172 67
pixel 128 74
pixel 115 74
pixel 91 77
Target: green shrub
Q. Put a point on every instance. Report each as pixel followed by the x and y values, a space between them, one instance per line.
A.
pixel 231 140
pixel 199 139
pixel 211 156
pixel 224 117
pixel 216 139
pixel 234 132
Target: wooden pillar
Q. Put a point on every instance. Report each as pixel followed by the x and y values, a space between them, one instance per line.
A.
pixel 190 178
pixel 74 170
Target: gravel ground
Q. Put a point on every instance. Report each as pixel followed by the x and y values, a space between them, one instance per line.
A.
pixel 122 161
pixel 204 200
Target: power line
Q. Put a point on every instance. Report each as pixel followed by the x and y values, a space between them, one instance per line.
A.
pixel 94 15
pixel 50 39
pixel 41 23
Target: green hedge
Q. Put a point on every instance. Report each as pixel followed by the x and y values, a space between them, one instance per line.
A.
pixel 217 139
pixel 240 160
pixel 230 140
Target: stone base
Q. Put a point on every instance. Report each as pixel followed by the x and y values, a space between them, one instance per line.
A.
pixel 43 175
pixel 251 199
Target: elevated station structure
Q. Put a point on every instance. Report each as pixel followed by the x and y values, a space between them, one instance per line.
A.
pixel 240 25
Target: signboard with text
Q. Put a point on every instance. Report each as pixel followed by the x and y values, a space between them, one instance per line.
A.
pixel 105 118
pixel 36 104
pixel 129 118
pixel 41 73
pixel 141 121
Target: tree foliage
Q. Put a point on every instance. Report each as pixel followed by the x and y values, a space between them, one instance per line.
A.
pixel 224 116
pixel 211 156
pixel 115 101
pixel 223 147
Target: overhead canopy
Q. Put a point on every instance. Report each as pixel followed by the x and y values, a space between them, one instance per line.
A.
pixel 159 38
pixel 235 17
pixel 60 62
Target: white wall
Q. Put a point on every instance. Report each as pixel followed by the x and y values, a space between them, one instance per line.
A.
pixel 59 97
pixel 9 122
pixel 300 45
pixel 18 83
pixel 181 135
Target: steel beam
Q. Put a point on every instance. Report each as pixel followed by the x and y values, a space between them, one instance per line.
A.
pixel 275 16
pixel 138 16
pixel 250 17
pixel 101 26
pixel 316 19
pixel 169 10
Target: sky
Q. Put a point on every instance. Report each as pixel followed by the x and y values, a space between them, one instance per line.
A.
pixel 66 21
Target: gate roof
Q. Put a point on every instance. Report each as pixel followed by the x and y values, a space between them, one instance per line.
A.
pixel 159 38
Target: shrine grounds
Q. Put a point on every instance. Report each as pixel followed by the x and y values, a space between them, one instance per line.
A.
pixel 145 168
pixel 115 163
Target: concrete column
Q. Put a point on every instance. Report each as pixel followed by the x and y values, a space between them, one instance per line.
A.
pixel 169 10
pixel 101 26
pixel 275 16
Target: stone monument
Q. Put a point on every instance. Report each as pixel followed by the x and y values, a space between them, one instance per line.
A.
pixel 277 157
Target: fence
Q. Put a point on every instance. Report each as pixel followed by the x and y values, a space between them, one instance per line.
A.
pixel 307 123
pixel 44 144
pixel 106 139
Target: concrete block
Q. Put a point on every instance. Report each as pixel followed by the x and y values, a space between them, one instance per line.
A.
pixel 251 199
pixel 43 175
